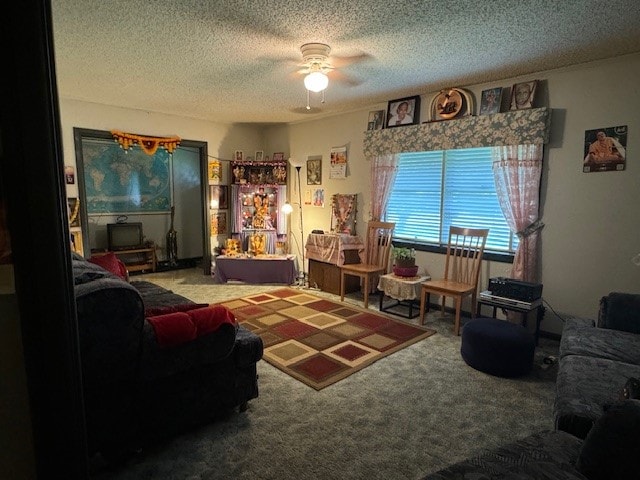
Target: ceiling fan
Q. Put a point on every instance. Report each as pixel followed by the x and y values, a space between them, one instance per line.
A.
pixel 315 62
pixel 316 67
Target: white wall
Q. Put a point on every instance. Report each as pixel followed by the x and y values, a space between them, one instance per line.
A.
pixel 592 226
pixel 592 223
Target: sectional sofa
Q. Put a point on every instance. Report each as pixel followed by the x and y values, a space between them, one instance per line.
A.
pixel 154 363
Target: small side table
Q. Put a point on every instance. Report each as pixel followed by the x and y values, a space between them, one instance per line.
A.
pixel 524 310
pixel 405 290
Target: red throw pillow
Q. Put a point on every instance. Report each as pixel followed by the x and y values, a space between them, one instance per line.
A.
pixel 110 263
pixel 182 307
pixel 173 329
pixel 209 319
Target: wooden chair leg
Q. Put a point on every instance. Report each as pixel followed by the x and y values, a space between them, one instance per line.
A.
pixel 456 328
pixel 423 304
pixel 366 291
pixel 342 285
pixel 442 303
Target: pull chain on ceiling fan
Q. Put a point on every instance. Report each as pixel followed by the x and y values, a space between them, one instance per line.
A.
pixel 314 56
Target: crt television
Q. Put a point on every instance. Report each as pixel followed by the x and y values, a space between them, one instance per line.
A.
pixel 124 236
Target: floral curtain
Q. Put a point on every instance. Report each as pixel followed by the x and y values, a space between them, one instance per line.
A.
pixel 383 174
pixel 517 170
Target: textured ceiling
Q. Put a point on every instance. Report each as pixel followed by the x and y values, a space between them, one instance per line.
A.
pixel 235 61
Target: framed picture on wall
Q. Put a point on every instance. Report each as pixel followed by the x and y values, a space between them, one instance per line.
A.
pixel 605 149
pixel 218 197
pixel 219 223
pixel 314 171
pixel 403 111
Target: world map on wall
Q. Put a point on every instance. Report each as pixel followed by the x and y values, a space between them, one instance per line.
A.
pixel 119 181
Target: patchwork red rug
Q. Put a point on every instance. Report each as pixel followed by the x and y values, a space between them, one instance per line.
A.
pixel 319 341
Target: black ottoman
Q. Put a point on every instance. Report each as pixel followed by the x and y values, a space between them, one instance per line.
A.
pixel 497 347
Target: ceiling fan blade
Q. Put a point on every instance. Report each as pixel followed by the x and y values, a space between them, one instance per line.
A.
pixel 343 61
pixel 339 77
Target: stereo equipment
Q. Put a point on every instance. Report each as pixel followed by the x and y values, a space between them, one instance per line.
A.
pixel 516 289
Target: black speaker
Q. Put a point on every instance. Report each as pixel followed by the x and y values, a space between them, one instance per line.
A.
pixel 515 289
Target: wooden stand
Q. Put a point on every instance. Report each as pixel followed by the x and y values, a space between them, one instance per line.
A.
pixel 137 259
pixel 326 277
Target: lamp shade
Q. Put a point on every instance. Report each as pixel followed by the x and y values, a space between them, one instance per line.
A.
pixel 316 81
pixel 287 208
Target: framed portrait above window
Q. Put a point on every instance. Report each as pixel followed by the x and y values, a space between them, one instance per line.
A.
pixel 490 101
pixel 523 95
pixel 403 111
pixel 376 120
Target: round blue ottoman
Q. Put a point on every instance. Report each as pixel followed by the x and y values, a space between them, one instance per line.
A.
pixel 497 347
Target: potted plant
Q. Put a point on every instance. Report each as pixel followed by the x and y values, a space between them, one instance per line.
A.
pixel 404 257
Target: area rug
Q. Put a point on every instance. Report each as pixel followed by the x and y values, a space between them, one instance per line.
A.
pixel 319 341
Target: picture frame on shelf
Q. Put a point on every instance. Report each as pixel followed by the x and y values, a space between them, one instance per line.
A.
pixel 451 103
pixel 259 155
pixel 238 156
pixel 523 95
pixel 278 156
pixel 403 111
pixel 490 101
pixel 376 120
pixel 314 171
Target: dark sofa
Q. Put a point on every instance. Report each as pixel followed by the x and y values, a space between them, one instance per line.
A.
pixel 597 434
pixel 138 391
pixel 596 360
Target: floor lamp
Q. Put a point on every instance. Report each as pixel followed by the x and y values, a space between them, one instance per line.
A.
pixel 287 208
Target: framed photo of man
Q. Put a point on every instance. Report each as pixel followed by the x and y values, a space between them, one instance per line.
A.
pixel 522 95
pixel 403 111
pixel 605 149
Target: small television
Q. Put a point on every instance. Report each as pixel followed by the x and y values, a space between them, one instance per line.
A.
pixel 124 236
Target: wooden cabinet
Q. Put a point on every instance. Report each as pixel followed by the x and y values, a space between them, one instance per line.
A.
pixel 326 277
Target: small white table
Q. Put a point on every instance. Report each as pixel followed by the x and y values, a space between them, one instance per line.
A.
pixel 405 290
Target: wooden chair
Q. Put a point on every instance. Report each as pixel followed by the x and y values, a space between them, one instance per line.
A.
pixel 461 271
pixel 377 250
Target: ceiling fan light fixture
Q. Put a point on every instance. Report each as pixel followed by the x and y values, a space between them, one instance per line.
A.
pixel 316 81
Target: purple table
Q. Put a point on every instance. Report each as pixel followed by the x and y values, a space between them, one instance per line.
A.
pixel 255 270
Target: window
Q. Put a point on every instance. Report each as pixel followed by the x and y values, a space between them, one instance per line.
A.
pixel 434 190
